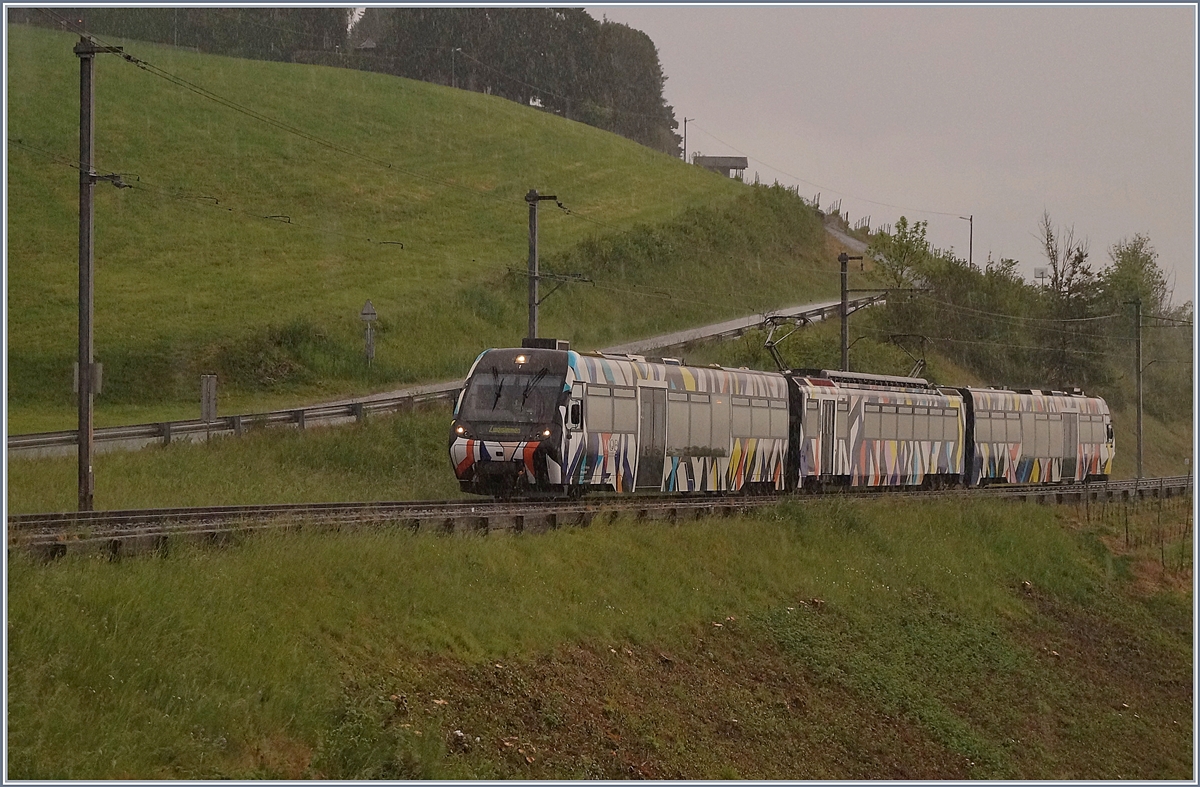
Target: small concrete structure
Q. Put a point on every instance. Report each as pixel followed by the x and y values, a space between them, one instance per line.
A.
pixel 722 165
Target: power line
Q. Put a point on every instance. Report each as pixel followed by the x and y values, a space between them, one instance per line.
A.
pixel 1035 348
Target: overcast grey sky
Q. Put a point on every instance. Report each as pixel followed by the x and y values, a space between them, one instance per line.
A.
pixel 1088 112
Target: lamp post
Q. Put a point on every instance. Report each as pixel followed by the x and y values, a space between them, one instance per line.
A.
pixel 685 122
pixel 971 242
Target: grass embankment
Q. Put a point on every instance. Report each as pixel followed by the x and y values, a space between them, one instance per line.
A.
pixel 404 456
pixel 398 457
pixel 191 277
pixel 822 639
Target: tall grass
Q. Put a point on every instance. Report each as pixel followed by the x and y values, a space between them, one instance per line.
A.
pixel 399 457
pixel 189 664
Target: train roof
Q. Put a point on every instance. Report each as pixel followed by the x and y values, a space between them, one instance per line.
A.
pixel 872 380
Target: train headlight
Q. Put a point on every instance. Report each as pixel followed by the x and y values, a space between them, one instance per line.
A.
pixel 521 359
pixel 459 430
pixel 546 433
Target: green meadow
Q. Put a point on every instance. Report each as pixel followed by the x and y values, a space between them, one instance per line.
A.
pixel 248 251
pixel 815 639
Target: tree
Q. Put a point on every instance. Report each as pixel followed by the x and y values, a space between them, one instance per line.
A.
pixel 1134 274
pixel 1071 329
pixel 901 256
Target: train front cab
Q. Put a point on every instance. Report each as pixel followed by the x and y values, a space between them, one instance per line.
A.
pixel 508 431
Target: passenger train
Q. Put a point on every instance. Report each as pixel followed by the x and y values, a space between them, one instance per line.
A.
pixel 555 422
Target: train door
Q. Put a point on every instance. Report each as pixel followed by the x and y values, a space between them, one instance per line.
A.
pixel 1070 460
pixel 652 437
pixel 828 420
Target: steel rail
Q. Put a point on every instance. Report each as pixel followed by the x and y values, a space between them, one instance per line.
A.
pixel 150 529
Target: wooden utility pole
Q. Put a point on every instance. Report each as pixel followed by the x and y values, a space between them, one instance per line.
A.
pixel 533 198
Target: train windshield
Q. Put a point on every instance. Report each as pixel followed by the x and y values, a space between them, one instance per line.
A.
pixel 527 395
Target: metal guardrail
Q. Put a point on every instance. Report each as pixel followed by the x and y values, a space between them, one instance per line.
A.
pixel 166 431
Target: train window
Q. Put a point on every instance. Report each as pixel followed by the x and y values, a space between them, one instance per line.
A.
pixel 888 408
pixel 760 420
pixel 904 424
pixel 624 413
pixel 904 410
pixel 677 426
pixel 758 402
pixel 624 393
pixel 778 404
pixel 1056 436
pixel 677 397
pixel 698 398
pixel 812 404
pixel 843 406
pixel 599 410
pixel 871 408
pixel 741 419
pixel 983 430
pixel 598 390
pixel 887 423
pixel 871 423
pixel 779 421
pixel 740 401
pixel 720 421
pixel 1041 436
pixel 920 411
pixel 700 424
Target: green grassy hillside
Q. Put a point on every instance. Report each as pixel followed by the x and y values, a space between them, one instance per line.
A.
pixel 192 278
pixel 823 639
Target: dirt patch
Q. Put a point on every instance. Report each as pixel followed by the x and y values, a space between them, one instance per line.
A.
pixel 719 704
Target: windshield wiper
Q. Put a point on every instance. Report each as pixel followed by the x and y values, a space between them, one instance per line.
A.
pixel 499 386
pixel 537 378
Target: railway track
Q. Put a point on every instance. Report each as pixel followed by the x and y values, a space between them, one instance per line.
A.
pixel 118 533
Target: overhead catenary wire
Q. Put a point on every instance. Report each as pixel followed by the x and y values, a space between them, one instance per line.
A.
pixel 1035 348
